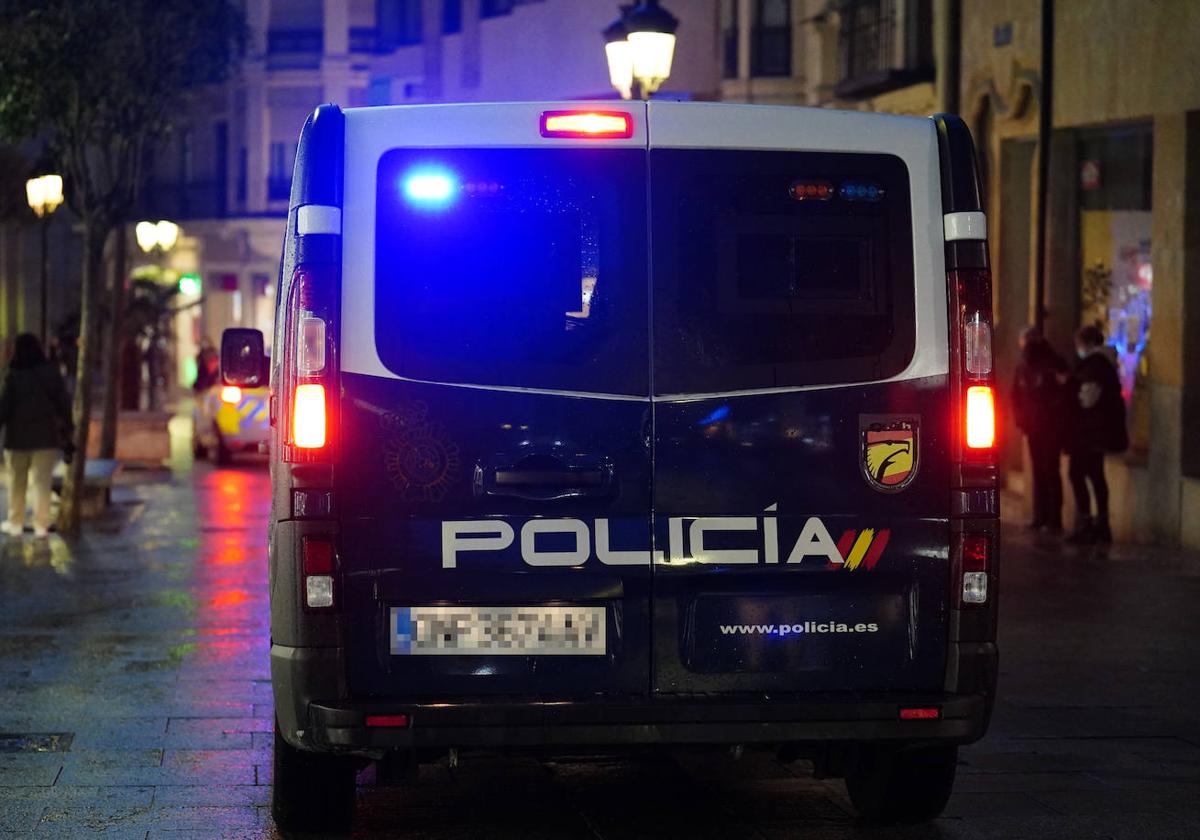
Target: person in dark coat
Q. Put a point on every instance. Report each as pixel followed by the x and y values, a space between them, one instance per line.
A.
pixel 1097 426
pixel 36 416
pixel 1037 406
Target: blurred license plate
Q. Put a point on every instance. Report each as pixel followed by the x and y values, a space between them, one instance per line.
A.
pixel 497 631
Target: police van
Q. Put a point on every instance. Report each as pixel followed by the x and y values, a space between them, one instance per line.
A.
pixel 606 425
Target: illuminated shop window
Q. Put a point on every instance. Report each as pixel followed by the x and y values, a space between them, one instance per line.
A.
pixel 1117 275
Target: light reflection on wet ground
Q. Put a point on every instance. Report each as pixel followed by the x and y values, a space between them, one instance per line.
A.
pixel 135 701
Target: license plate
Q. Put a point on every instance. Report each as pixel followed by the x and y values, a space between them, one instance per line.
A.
pixel 498 631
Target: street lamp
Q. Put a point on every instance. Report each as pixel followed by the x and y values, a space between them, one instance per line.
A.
pixel 640 46
pixel 44 193
pixel 151 235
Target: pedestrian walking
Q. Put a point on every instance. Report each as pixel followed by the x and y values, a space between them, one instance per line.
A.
pixel 36 418
pixel 1037 404
pixel 1097 426
pixel 208 367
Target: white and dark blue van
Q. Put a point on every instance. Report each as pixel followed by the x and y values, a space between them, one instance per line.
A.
pixel 605 425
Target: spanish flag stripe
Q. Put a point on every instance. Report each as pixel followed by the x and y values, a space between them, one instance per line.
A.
pixel 877 548
pixel 860 548
pixel 845 543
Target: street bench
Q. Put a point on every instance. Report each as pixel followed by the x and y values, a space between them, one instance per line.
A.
pixel 98 474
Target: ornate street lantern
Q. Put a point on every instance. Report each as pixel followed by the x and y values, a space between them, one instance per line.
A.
pixel 640 46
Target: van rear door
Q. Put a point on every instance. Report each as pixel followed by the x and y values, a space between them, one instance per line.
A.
pixel 497 423
pixel 801 402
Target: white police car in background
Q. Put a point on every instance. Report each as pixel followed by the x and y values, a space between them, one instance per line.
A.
pixel 613 424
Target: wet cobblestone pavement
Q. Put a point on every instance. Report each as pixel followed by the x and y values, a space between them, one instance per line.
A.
pixel 135 702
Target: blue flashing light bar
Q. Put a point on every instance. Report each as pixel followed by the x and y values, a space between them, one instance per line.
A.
pixel 430 187
pixel 861 192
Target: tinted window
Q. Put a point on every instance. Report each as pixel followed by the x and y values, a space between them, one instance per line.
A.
pixel 756 289
pixel 516 267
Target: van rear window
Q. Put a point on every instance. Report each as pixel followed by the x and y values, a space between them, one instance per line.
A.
pixel 779 269
pixel 514 267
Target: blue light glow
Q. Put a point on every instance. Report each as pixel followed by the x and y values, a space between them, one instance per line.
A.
pixel 430 187
pixel 716 416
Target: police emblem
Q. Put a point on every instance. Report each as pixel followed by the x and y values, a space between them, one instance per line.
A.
pixel 890 451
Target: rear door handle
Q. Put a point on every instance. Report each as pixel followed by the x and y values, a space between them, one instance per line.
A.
pixel 544 482
pixel 549 478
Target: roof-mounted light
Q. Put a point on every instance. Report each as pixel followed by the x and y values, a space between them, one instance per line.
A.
pixel 591 124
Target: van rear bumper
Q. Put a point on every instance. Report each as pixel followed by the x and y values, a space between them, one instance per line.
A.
pixel 640 723
pixel 311 721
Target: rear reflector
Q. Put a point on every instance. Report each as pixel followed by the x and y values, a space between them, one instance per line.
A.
pixel 920 713
pixel 308 416
pixel 231 394
pixel 981 417
pixel 388 721
pixel 596 124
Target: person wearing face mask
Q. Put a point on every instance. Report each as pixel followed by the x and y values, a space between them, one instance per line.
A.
pixel 1037 407
pixel 1097 426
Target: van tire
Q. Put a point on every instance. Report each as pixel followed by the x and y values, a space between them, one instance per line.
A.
pixel 901 785
pixel 311 792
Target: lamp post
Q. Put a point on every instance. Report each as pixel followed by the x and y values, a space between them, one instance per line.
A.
pixel 44 193
pixel 639 46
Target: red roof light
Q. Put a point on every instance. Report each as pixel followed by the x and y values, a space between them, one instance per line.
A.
pixel 590 124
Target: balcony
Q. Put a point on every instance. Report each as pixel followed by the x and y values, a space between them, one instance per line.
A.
pixel 883 45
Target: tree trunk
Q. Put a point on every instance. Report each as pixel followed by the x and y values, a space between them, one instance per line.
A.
pixel 113 336
pixel 81 410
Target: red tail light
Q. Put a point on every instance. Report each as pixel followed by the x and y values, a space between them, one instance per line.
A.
pixel 308 416
pixel 981 417
pixel 309 363
pixel 971 363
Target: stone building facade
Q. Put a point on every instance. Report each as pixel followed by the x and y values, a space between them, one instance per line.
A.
pixel 1123 189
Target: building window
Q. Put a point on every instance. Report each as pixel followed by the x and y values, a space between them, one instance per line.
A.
pixel 451 16
pixel 1117 276
pixel 880 49
pixel 495 8
pixel 399 23
pixel 279 173
pixel 772 48
pixel 379 90
pixel 729 38
pixel 364 39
